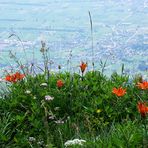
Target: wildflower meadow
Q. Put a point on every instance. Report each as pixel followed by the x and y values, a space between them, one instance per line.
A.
pixel 63 109
pixel 74 74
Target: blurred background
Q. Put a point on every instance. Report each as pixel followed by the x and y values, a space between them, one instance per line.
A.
pixel 120 33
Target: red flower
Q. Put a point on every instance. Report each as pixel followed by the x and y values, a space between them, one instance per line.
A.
pixel 60 83
pixel 143 85
pixel 10 78
pixel 119 91
pixel 142 108
pixel 19 76
pixel 14 77
pixel 83 66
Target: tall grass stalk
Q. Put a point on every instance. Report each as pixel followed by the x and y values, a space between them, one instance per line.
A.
pixel 19 39
pixel 92 38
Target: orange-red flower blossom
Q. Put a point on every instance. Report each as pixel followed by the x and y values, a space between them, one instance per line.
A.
pixel 14 77
pixel 19 76
pixel 10 78
pixel 60 83
pixel 142 108
pixel 83 66
pixel 119 91
pixel 143 85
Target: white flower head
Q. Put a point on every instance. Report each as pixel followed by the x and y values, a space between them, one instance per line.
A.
pixel 59 122
pixel 40 142
pixel 74 142
pixel 32 139
pixel 51 117
pixel 57 108
pixel 27 92
pixel 34 97
pixel 43 84
pixel 49 98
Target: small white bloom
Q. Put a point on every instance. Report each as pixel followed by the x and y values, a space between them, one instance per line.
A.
pixel 27 92
pixel 59 122
pixel 51 117
pixel 40 142
pixel 74 142
pixel 57 108
pixel 34 97
pixel 48 98
pixel 32 139
pixel 44 84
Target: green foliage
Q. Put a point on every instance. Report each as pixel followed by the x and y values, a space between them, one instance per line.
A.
pixel 124 135
pixel 83 107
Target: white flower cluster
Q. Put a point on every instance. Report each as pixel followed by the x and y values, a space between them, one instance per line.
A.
pixel 49 98
pixel 59 122
pixel 44 84
pixel 32 139
pixel 27 92
pixel 74 142
pixel 40 142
